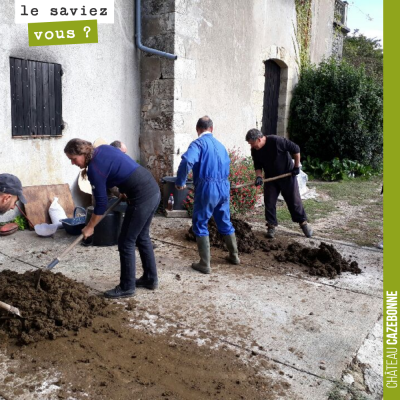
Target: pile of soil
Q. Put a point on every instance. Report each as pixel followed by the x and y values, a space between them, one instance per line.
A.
pixel 246 240
pixel 58 306
pixel 325 261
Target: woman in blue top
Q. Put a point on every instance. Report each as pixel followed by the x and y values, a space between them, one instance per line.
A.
pixel 106 167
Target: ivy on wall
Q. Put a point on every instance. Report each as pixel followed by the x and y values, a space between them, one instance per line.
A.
pixel 303 32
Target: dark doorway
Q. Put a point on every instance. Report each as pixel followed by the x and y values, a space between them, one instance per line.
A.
pixel 271 98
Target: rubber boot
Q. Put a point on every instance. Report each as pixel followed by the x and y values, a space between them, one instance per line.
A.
pixel 231 244
pixel 270 231
pixel 203 245
pixel 307 230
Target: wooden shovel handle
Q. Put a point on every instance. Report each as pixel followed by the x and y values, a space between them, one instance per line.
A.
pixel 9 308
pixel 264 180
pixel 80 237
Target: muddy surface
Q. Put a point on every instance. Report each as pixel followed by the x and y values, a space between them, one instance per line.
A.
pixel 324 261
pixel 112 360
pixel 246 240
pixel 59 306
pixel 86 347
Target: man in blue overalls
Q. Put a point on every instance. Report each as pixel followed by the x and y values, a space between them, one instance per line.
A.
pixel 209 160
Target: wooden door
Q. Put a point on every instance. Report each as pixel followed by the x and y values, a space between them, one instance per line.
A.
pixel 271 98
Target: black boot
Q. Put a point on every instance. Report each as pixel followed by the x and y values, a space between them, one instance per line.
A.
pixel 307 230
pixel 203 245
pixel 117 292
pixel 270 231
pixel 145 283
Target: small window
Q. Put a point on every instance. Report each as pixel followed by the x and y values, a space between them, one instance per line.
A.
pixel 36 106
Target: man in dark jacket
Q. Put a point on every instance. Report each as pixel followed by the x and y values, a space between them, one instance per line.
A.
pixel 273 154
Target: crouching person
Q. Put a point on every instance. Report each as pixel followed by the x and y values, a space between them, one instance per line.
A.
pixel 209 160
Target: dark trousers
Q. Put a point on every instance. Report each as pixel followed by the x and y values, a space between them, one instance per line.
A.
pixel 290 192
pixel 136 232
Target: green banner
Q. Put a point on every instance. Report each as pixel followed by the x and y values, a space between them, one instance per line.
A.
pixel 63 32
pixel 391 280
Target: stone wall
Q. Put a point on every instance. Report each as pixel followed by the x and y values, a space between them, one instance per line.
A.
pixel 221 48
pixel 158 88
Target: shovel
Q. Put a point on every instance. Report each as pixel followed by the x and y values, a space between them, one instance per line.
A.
pixel 11 309
pixel 191 187
pixel 72 245
pixel 264 180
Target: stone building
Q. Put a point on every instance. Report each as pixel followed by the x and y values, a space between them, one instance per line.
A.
pixel 236 62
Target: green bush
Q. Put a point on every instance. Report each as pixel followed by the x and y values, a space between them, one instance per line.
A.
pixel 336 169
pixel 241 171
pixel 337 112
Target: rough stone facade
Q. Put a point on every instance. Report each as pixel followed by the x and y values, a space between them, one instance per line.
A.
pixel 158 88
pixel 340 29
pixel 221 47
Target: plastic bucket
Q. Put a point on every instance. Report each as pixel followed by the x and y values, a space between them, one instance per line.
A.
pixel 107 231
pixel 168 187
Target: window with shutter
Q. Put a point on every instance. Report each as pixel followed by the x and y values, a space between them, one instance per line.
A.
pixel 36 103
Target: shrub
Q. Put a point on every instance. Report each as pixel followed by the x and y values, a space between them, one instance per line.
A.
pixel 241 171
pixel 337 112
pixel 336 169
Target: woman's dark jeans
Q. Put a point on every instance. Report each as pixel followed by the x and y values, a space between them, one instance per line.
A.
pixel 136 232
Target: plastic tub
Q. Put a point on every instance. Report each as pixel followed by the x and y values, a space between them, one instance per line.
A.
pixel 74 226
pixel 46 230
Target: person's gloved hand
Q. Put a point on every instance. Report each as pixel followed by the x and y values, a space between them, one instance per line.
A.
pixel 295 171
pixel 259 181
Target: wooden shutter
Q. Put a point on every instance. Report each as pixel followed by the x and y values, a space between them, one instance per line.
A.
pixel 36 104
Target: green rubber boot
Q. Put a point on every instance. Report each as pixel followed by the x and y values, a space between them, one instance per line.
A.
pixel 203 245
pixel 231 244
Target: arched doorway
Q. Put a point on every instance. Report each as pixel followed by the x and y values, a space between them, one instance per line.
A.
pixel 271 98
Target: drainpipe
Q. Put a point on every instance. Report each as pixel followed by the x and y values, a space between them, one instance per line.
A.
pixel 138 36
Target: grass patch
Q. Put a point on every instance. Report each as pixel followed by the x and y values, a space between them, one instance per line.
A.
pixel 350 210
pixel 315 209
pixel 355 191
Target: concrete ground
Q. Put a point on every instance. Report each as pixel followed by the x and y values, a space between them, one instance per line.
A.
pixel 323 335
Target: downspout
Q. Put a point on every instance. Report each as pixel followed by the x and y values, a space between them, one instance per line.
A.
pixel 138 36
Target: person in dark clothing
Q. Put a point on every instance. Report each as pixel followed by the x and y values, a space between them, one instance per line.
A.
pixel 106 167
pixel 273 154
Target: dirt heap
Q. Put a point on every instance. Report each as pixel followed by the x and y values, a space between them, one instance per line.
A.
pixel 60 305
pixel 246 240
pixel 324 261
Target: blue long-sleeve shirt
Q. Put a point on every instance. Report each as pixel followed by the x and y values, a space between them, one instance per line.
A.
pixel 109 167
pixel 208 159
